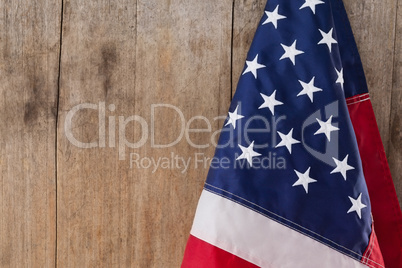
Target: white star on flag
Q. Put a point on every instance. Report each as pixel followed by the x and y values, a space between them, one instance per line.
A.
pixel 311 4
pixel 253 66
pixel 233 117
pixel 309 89
pixel 326 128
pixel 273 17
pixel 248 153
pixel 340 77
pixel 291 52
pixel 304 179
pixel 342 166
pixel 287 140
pixel 327 39
pixel 270 102
pixel 357 205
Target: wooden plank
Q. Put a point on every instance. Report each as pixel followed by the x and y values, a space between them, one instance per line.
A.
pixel 395 141
pixel 95 218
pixel 247 15
pixel 133 56
pixel 373 24
pixel 185 45
pixel 29 42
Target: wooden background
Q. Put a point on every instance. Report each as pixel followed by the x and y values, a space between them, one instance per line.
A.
pixel 73 207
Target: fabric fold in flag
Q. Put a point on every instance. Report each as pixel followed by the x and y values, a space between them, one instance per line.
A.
pixel 289 184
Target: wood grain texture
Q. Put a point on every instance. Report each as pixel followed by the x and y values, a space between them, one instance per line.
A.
pixel 395 139
pixel 373 24
pixel 246 17
pixel 29 45
pixel 95 226
pixel 189 60
pixel 132 56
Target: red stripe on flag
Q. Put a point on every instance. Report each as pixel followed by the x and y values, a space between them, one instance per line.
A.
pixel 200 254
pixel 373 257
pixel 384 202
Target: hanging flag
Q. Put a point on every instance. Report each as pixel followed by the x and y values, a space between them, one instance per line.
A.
pixel 299 178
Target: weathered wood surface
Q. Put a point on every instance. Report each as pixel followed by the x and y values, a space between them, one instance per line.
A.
pixel 373 24
pixel 377 30
pixel 88 207
pixel 29 62
pixel 395 125
pixel 112 212
pixel 95 207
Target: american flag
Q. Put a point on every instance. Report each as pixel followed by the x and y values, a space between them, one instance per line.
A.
pixel 288 187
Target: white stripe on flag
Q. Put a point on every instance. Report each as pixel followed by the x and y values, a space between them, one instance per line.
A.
pixel 258 239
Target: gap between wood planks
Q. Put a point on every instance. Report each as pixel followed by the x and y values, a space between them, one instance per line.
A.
pixel 56 124
pixel 231 52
